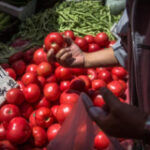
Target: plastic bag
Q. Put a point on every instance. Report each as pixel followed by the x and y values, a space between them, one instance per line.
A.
pixel 78 132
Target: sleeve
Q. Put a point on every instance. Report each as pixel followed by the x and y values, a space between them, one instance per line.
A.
pixel 120 31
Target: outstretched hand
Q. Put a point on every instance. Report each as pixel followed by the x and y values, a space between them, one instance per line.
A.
pixel 122 120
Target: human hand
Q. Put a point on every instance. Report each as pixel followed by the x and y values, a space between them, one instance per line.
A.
pixel 70 56
pixel 121 120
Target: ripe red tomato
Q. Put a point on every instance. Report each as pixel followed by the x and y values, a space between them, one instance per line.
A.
pixel 101 141
pixel 54 110
pixel 15 96
pixel 69 97
pixel 28 55
pixel 43 103
pixel 86 81
pixel 54 40
pixel 92 74
pixel 99 69
pixel 32 120
pixel 51 78
pixel 123 84
pixel 93 47
pixel 44 69
pixel 2 132
pixel 18 131
pixel 101 39
pixel 21 85
pixel 41 81
pixel 98 99
pixel 63 111
pixel 19 66
pixel 26 109
pixel 105 75
pixel 29 78
pixel 51 91
pixel 4 65
pixel 120 72
pixel 64 85
pixel 98 83
pixel 111 43
pixel 43 117
pixel 39 135
pixel 82 43
pixel 39 56
pixel 78 71
pixel 6 145
pixel 63 73
pixel 32 93
pixel 31 68
pixel 89 39
pixel 52 131
pixel 116 88
pixel 77 84
pixel 11 73
pixel 70 34
pixel 15 57
pixel 8 111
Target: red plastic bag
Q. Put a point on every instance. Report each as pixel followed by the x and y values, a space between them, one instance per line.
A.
pixel 78 132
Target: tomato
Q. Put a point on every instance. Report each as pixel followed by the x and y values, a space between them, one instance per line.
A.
pixel 69 97
pixel 63 73
pixel 31 68
pixel 11 73
pixel 86 81
pixel 89 39
pixel 39 135
pixel 4 65
pixel 32 120
pixel 93 47
pixel 116 88
pixel 18 131
pixel 54 110
pixel 6 145
pixel 101 39
pixel 41 81
pixel 32 93
pixel 29 78
pixel 51 78
pixel 21 85
pixel 39 56
pixel 19 66
pixel 54 40
pixel 97 84
pixel 2 132
pixel 51 91
pixel 123 83
pixel 52 131
pixel 62 112
pixel 15 57
pixel 26 109
pixel 43 117
pixel 98 99
pixel 105 75
pixel 99 69
pixel 43 103
pixel 111 43
pixel 78 71
pixel 64 85
pixel 92 74
pixel 15 96
pixel 70 34
pixel 28 55
pixel 101 141
pixel 122 100
pixel 82 43
pixel 77 84
pixel 44 69
pixel 9 111
pixel 120 72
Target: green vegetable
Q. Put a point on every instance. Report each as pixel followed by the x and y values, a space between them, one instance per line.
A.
pixel 83 17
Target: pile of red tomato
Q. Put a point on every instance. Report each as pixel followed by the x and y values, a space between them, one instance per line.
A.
pixel 35 111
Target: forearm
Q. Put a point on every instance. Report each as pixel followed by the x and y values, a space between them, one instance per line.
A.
pixel 103 58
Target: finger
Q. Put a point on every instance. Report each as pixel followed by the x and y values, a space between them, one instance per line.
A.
pixel 64 58
pixel 110 99
pixel 62 52
pixel 51 55
pixel 68 40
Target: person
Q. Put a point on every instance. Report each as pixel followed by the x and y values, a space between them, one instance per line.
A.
pixel 132 51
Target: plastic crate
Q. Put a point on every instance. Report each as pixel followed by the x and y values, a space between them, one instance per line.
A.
pixel 19 12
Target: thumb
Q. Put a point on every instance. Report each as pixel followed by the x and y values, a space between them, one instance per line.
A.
pixel 68 40
pixel 110 99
